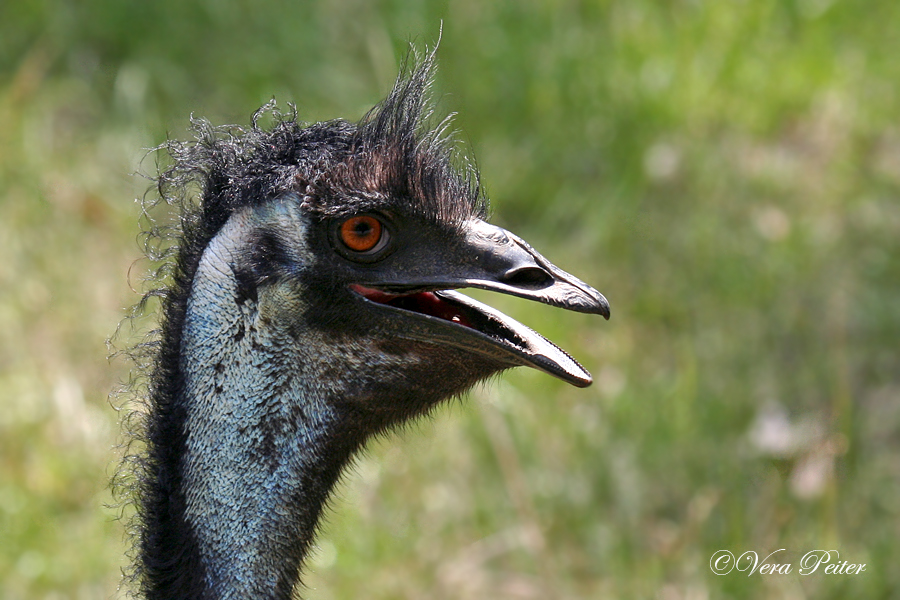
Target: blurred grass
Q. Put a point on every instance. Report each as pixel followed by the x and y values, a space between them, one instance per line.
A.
pixel 727 173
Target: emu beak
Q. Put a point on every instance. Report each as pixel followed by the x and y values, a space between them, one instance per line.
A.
pixel 503 262
pixel 489 258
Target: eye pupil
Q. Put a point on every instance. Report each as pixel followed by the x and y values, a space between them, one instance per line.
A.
pixel 361 233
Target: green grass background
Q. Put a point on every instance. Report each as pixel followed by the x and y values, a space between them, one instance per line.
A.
pixel 727 173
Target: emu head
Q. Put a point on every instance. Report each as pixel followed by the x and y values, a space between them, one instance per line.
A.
pixel 360 233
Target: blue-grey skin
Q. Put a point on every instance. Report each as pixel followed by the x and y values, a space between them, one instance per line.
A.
pixel 237 384
pixel 247 378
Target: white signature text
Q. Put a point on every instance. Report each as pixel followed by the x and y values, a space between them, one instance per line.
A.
pixel 828 562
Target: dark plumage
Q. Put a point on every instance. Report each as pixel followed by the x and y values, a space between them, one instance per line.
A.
pixel 301 315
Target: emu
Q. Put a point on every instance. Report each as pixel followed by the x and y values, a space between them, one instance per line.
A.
pixel 309 304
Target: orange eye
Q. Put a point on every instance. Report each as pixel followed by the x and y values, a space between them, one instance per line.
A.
pixel 362 233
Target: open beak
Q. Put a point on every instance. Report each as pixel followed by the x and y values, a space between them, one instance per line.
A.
pixel 490 258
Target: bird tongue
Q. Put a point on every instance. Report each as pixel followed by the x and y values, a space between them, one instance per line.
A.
pixel 420 302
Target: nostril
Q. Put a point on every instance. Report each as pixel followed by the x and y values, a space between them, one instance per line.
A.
pixel 528 277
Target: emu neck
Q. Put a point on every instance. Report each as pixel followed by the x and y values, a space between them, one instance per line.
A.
pixel 263 446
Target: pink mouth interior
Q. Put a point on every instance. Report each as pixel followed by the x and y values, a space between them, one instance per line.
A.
pixel 425 303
